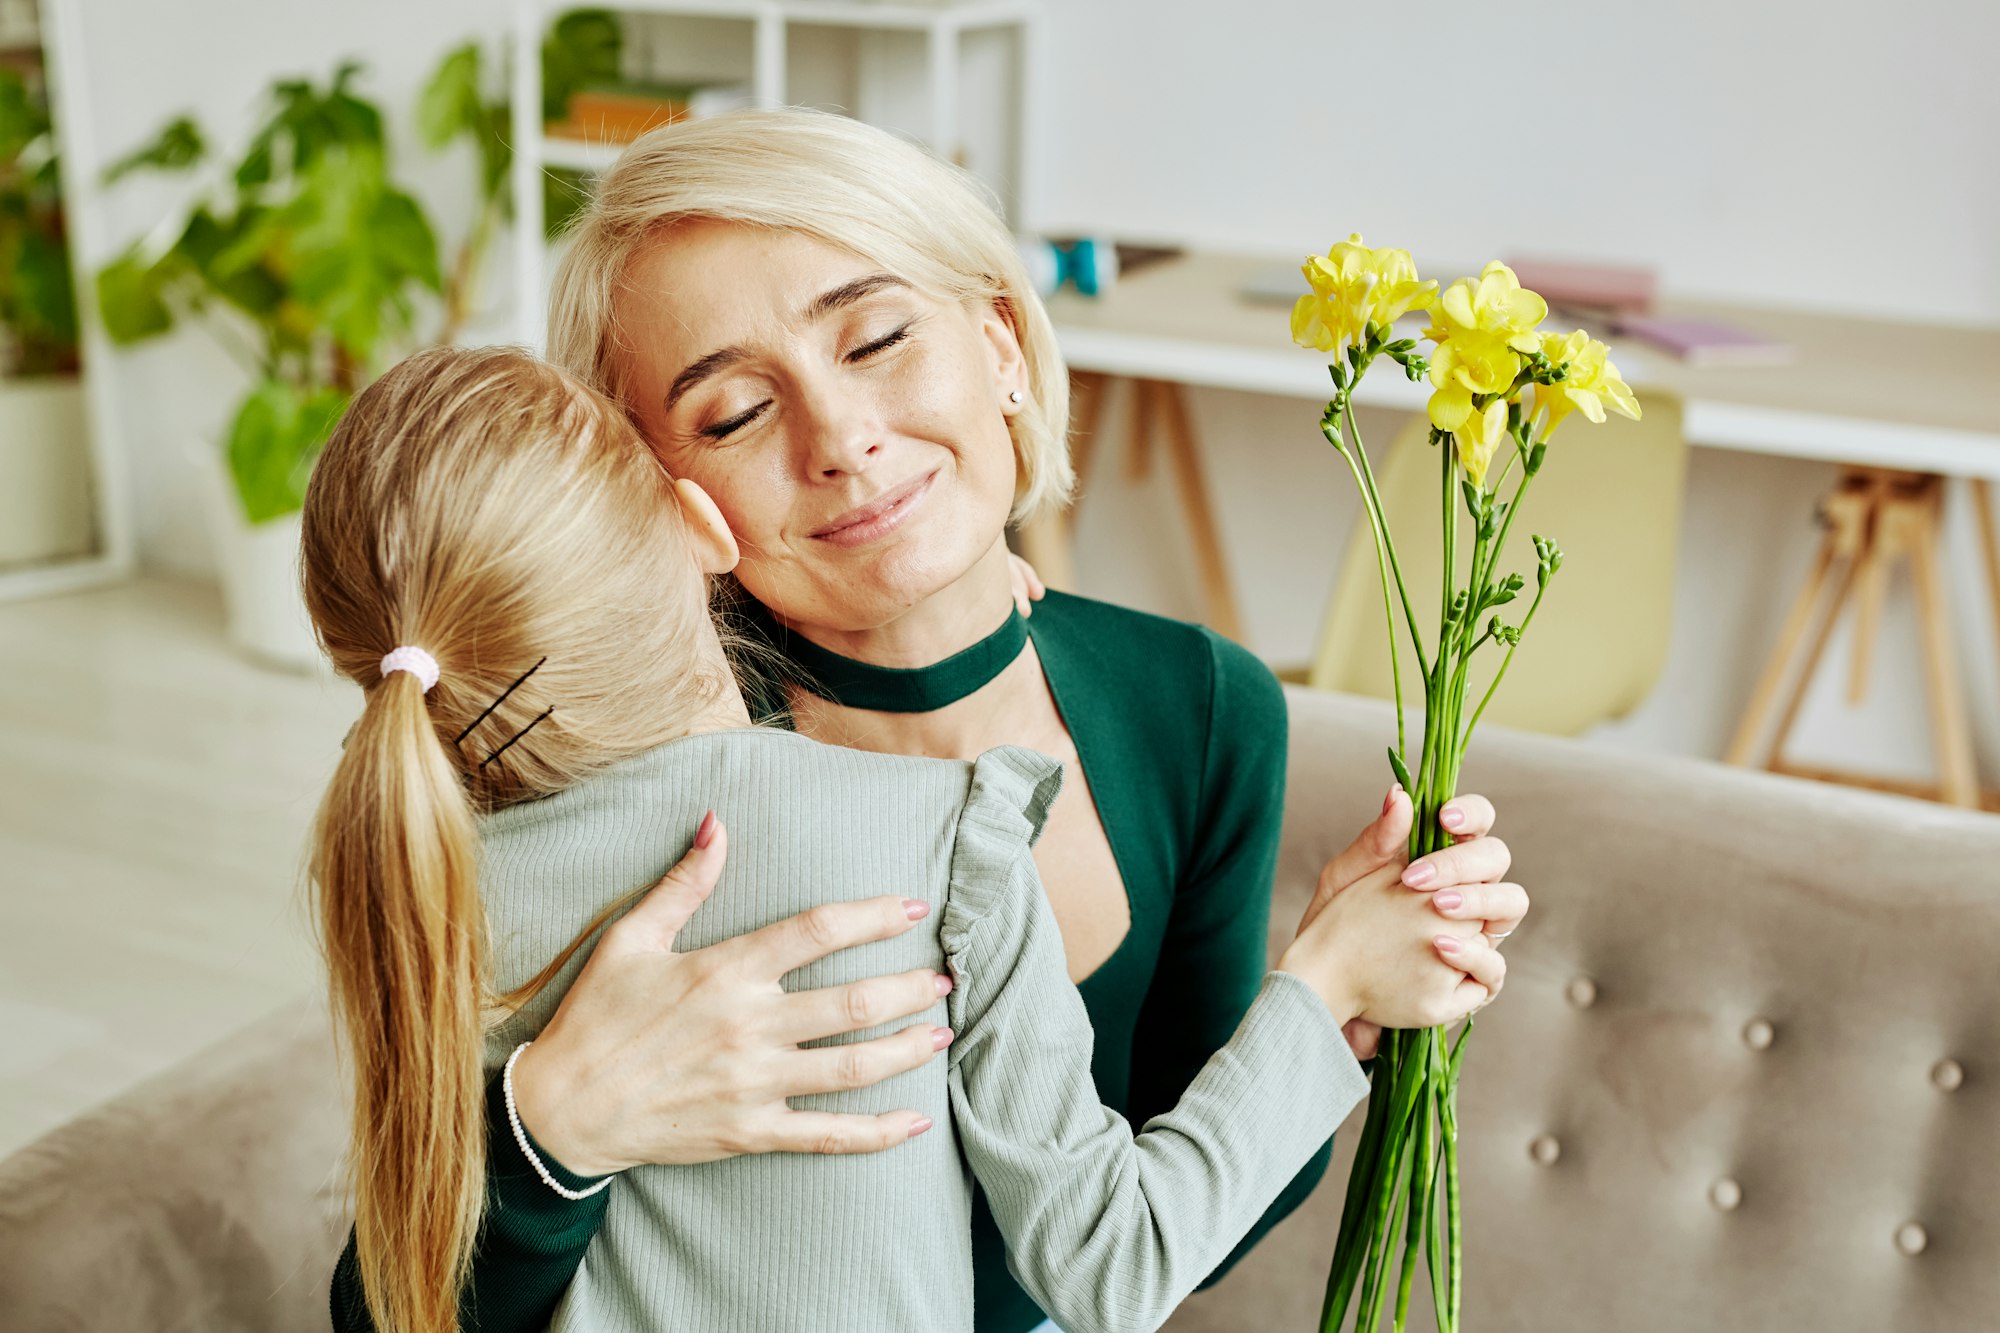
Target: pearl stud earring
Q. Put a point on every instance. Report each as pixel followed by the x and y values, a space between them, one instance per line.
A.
pixel 1013 395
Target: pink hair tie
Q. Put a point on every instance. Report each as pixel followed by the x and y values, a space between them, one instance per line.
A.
pixel 413 660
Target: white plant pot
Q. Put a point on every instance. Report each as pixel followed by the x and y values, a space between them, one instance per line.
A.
pixel 45 510
pixel 259 566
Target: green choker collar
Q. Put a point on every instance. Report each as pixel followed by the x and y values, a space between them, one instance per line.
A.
pixel 880 689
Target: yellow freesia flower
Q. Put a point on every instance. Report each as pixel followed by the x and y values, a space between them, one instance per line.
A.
pixel 1483 327
pixel 1479 439
pixel 1593 382
pixel 1352 288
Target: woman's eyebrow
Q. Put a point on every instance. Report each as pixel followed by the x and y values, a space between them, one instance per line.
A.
pixel 712 364
pixel 824 304
pixel 849 292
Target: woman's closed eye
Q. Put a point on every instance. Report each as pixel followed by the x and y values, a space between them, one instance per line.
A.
pixel 735 423
pixel 882 344
pixel 731 425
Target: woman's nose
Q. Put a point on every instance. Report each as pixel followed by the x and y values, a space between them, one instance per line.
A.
pixel 841 437
pixel 836 455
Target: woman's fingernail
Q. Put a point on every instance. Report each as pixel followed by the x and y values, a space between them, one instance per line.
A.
pixel 1389 801
pixel 923 1123
pixel 1419 874
pixel 1449 899
pixel 940 1038
pixel 943 984
pixel 916 908
pixel 1447 943
pixel 1451 816
pixel 706 833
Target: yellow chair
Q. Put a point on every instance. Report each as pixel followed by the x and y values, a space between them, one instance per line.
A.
pixel 1610 497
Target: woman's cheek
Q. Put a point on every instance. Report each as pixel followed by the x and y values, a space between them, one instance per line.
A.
pixel 751 488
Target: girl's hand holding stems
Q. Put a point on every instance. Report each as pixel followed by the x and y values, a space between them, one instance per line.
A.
pixel 1383 956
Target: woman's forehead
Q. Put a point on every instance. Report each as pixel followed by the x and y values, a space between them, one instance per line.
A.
pixel 713 254
pixel 704 280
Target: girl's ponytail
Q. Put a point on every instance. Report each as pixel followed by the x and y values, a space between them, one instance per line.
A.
pixel 395 861
pixel 487 509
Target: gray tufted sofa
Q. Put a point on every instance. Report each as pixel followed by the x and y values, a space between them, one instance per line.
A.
pixel 1746 1076
pixel 1746 1072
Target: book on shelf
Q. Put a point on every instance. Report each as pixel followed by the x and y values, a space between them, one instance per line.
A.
pixel 1588 291
pixel 621 112
pixel 1706 342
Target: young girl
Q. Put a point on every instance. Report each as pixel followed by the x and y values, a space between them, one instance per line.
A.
pixel 493 554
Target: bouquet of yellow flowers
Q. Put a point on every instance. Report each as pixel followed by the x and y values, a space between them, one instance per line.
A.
pixel 1501 387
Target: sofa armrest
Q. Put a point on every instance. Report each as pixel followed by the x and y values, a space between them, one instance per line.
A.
pixel 208 1198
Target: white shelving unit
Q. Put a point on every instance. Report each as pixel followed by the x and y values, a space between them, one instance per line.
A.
pixel 905 64
pixel 56 26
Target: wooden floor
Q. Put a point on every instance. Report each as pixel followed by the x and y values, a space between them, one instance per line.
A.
pixel 155 790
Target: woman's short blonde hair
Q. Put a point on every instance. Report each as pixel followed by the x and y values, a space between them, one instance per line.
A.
pixel 845 183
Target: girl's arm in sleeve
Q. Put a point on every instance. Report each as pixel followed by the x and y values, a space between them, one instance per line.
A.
pixel 1106 1230
pixel 1214 956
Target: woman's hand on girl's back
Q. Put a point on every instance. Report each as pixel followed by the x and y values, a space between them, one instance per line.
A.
pixel 663 1057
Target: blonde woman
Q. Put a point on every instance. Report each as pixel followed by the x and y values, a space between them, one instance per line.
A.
pixel 832 333
pixel 495 556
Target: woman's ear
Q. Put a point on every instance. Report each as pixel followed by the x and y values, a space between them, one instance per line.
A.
pixel 1003 343
pixel 714 544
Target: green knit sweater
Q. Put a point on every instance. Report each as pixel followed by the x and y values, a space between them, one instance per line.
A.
pixel 1182 737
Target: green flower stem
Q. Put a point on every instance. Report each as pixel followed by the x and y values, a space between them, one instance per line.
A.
pixel 1420 1179
pixel 1508 660
pixel 1382 571
pixel 1451 1171
pixel 1440 1094
pixel 1482 577
pixel 1381 523
pixel 1449 1324
pixel 1378 1269
pixel 1370 1161
pixel 1450 529
pixel 1361 1181
pixel 1382 1229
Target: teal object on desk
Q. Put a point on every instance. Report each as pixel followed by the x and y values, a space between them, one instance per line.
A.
pixel 1089 264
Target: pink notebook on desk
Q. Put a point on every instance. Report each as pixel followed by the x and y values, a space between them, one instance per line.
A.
pixel 1597 289
pixel 1706 342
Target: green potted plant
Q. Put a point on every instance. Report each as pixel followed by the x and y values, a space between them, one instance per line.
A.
pixel 306 262
pixel 45 507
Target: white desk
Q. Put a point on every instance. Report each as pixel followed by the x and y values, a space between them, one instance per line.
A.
pixel 1919 397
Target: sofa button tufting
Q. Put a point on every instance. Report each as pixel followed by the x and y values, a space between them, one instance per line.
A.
pixel 1582 992
pixel 1757 1034
pixel 1725 1194
pixel 1545 1149
pixel 1947 1075
pixel 1911 1238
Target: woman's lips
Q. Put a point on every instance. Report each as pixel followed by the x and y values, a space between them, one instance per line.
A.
pixel 879 517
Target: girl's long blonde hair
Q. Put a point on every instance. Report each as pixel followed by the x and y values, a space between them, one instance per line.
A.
pixel 846 183
pixel 490 510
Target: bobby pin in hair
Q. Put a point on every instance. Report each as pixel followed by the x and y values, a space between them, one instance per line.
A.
pixel 501 700
pixel 515 737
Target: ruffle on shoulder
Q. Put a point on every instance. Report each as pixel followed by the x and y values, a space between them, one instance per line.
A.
pixel 1012 790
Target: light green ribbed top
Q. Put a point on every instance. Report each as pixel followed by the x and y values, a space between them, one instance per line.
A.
pixel 1106 1230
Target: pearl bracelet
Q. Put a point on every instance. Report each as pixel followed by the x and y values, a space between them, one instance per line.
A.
pixel 521 1136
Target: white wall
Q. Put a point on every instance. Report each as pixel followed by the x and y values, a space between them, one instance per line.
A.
pixel 1833 153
